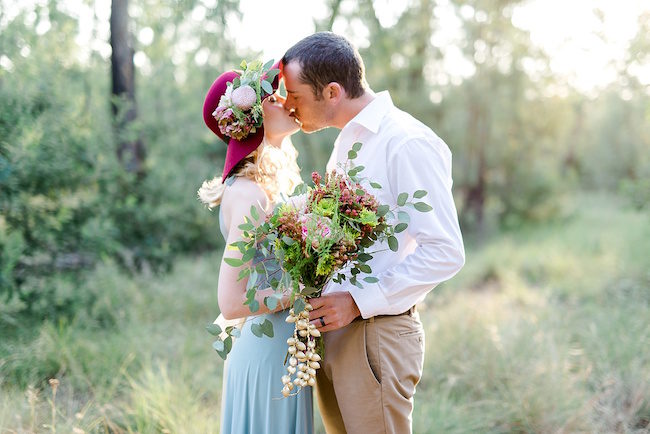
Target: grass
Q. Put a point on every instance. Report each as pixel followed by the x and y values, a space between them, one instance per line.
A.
pixel 546 330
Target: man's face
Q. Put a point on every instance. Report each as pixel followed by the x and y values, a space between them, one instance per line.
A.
pixel 312 114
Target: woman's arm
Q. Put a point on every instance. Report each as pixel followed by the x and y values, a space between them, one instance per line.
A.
pixel 236 206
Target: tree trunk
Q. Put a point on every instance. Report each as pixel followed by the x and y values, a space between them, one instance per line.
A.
pixel 130 150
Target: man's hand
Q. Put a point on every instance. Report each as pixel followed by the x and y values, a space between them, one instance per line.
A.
pixel 336 310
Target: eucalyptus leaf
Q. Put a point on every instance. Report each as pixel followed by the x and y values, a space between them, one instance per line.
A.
pixel 352 155
pixel 401 227
pixel 371 279
pixel 393 244
pixel 267 87
pixel 214 329
pixel 271 302
pixel 257 330
pixel 267 328
pixel 267 65
pixel 419 194
pixel 422 206
pixel 375 185
pixel 227 344
pixel 360 192
pixel 403 217
pixel 218 345
pixel 382 210
pixel 364 257
pixel 402 198
pixel 365 268
pixel 254 306
pixel 357 146
pixel 298 305
pixel 288 241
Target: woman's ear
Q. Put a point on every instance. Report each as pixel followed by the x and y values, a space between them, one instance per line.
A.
pixel 333 92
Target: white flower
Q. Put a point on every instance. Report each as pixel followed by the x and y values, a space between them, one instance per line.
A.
pixel 244 97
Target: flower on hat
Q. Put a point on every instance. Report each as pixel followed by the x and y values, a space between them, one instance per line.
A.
pixel 239 112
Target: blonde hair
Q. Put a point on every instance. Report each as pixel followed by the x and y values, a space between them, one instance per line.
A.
pixel 274 169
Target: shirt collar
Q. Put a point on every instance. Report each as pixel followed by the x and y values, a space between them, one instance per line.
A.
pixel 371 115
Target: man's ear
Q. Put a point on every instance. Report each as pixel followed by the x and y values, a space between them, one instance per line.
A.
pixel 333 92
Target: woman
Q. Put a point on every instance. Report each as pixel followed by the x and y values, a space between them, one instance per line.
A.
pixel 258 169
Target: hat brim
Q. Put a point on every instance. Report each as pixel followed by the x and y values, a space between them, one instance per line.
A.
pixel 237 149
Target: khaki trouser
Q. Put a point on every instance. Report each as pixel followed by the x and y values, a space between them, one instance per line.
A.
pixel 369 373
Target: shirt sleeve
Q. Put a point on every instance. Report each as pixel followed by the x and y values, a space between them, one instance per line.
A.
pixel 418 164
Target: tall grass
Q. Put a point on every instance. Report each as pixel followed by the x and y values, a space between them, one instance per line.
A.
pixel 546 330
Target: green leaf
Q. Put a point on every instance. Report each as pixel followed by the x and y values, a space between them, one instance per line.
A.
pixel 254 306
pixel 371 279
pixel 299 305
pixel 233 262
pixel 422 206
pixel 400 227
pixel 354 271
pixel 271 302
pixel 227 344
pixel 214 329
pixel 364 257
pixel 288 241
pixel 300 189
pixel 240 245
pixel 393 244
pixel 267 328
pixel 254 213
pixel 234 332
pixel 357 146
pixel 236 82
pixel 365 268
pixel 403 217
pixel 249 254
pixel 218 345
pixel 244 273
pixel 309 291
pixel 360 192
pixel 382 210
pixel 270 76
pixel 375 185
pixel 352 155
pixel 359 168
pixel 267 65
pixel 267 87
pixel 419 194
pixel 246 226
pixel 257 330
pixel 402 198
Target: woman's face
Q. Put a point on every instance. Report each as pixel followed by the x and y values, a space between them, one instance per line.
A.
pixel 277 121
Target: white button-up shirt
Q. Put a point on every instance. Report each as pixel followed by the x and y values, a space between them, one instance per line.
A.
pixel 403 155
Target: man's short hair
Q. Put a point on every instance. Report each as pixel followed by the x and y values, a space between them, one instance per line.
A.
pixel 326 57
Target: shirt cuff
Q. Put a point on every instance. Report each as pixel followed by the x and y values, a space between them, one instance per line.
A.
pixel 370 299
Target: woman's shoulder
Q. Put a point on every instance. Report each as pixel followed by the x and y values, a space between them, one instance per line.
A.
pixel 242 192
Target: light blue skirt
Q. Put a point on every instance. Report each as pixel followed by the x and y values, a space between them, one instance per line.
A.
pixel 252 400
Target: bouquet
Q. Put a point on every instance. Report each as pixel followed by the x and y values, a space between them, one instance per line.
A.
pixel 307 243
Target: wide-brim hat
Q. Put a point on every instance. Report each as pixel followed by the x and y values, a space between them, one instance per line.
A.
pixel 237 149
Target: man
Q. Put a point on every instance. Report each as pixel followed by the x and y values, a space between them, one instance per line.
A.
pixel 374 340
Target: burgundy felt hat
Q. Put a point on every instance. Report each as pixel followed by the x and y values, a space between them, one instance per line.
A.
pixel 237 149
